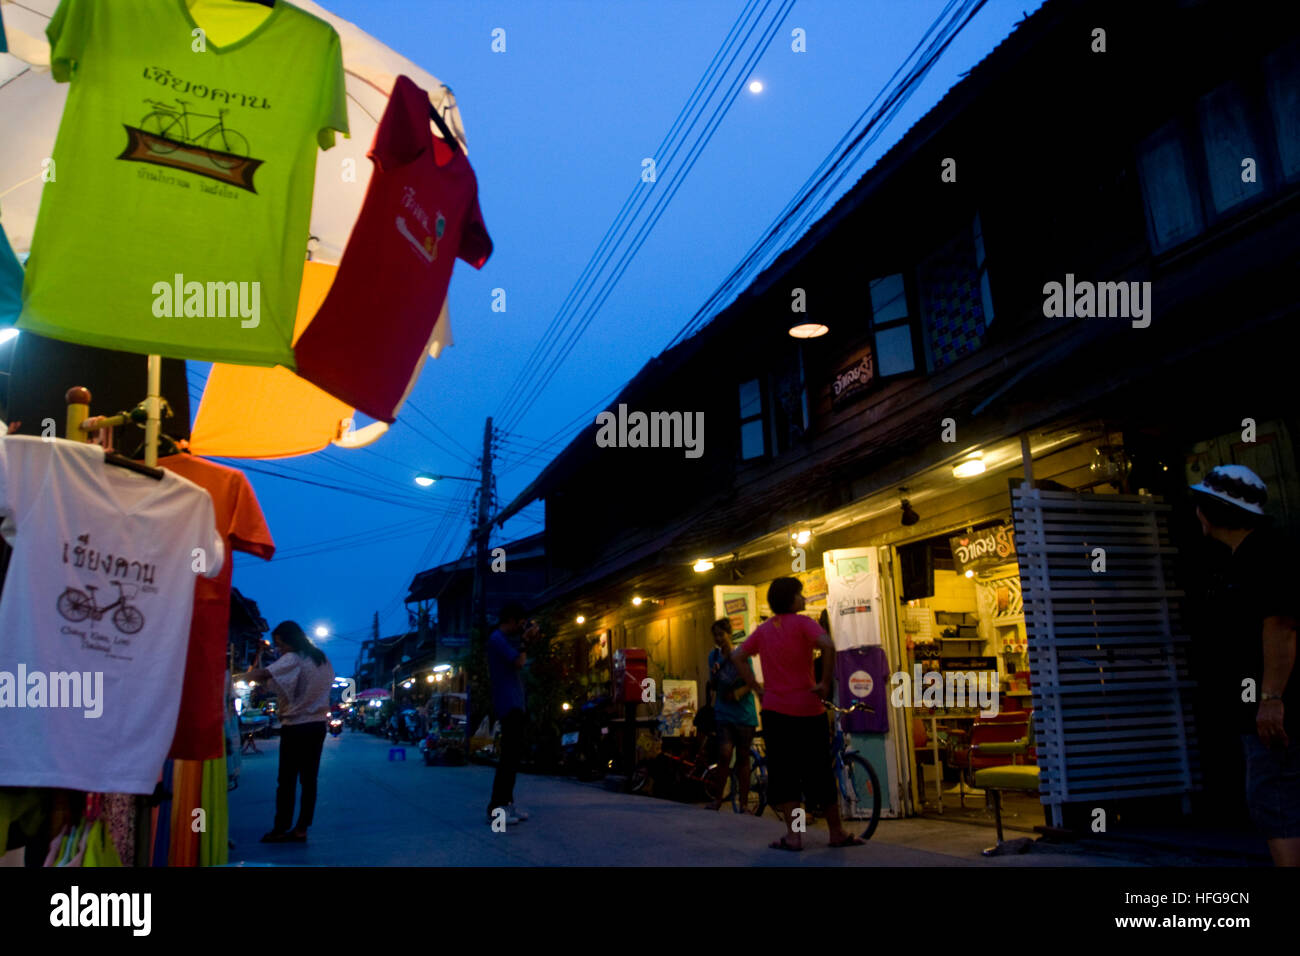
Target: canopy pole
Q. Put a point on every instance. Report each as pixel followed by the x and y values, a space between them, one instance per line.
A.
pixel 153 408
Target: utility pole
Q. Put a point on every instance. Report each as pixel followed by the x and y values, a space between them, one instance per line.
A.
pixel 482 532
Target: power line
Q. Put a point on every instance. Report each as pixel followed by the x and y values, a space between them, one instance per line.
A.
pixel 942 30
pixel 520 398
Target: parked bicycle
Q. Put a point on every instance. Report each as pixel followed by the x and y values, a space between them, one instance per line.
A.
pixel 854 775
pixel 756 801
pixel 76 605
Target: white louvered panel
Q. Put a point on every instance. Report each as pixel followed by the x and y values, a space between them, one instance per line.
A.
pixel 1110 682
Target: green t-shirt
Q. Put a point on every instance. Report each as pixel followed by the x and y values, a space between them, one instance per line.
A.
pixel 177 210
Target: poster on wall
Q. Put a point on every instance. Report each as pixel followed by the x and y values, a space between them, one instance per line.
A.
pixel 738 604
pixel 853 596
pixel 1000 598
pixel 814 588
pixel 679 706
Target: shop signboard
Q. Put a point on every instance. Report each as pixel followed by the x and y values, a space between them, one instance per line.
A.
pixel 853 381
pixel 987 548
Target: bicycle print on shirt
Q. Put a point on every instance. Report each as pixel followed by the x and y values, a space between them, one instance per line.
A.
pixel 202 143
pixel 78 604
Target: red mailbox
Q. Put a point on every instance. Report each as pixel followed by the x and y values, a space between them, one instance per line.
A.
pixel 629 672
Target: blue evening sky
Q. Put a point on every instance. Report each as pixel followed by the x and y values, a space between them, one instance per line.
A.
pixel 558 126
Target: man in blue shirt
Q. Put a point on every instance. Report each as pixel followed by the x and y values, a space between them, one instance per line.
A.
pixel 506 658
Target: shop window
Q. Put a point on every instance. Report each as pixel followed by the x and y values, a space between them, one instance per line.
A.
pixel 789 404
pixel 891 326
pixel 1282 70
pixel 1228 139
pixel 953 300
pixel 752 439
pixel 1173 208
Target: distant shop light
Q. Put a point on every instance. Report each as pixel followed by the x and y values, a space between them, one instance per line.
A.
pixel 808 330
pixel 565 705
pixel 636 601
pixel 429 679
pixel 970 573
pixel 801 537
pixel 580 619
pixel 702 565
pixel 969 468
pixel 442 667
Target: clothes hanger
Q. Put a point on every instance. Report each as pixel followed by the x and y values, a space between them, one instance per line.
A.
pixel 446 132
pixel 130 464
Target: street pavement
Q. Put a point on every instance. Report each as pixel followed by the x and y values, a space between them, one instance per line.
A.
pixel 376 812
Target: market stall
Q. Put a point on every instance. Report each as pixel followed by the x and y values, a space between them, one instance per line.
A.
pixel 176 185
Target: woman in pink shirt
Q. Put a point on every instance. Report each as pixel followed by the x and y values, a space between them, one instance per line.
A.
pixel 794 719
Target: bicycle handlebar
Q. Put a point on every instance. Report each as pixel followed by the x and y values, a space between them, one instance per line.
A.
pixel 858 705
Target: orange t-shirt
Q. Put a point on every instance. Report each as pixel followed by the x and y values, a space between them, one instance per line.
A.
pixel 241 523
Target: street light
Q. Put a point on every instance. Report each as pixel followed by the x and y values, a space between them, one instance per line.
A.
pixel 424 479
pixel 322 631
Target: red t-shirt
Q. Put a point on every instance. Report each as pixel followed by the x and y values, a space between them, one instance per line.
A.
pixel 367 343
pixel 240 522
pixel 785 645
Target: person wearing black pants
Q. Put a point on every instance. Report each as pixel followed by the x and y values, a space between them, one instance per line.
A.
pixel 300 749
pixel 506 660
pixel 302 676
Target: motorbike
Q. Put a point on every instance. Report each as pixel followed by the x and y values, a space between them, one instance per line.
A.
pixel 406 727
pixel 336 726
pixel 585 741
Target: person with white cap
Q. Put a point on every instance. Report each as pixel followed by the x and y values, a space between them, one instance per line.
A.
pixel 1263 582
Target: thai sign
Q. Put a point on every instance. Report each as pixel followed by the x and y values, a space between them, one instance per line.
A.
pixel 851 382
pixel 983 549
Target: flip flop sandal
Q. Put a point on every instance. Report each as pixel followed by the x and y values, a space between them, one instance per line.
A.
pixel 849 840
pixel 782 845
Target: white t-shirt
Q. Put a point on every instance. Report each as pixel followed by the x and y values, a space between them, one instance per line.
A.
pixel 304 688
pixel 95 617
pixel 853 606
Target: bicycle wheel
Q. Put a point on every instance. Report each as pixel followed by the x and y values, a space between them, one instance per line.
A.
pixel 861 790
pixel 221 141
pixel 75 605
pixel 167 128
pixel 128 619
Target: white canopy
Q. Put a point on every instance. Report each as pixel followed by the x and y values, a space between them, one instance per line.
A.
pixel 31 104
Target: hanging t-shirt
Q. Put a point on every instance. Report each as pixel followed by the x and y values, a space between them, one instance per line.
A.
pixel 11 282
pixel 178 217
pixel 369 340
pixel 853 605
pixel 862 674
pixel 95 616
pixel 241 524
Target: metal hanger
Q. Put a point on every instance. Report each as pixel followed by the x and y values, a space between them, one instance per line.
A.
pixel 121 461
pixel 446 132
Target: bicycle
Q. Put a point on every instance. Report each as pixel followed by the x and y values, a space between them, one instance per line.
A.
pixel 76 605
pixel 757 799
pixel 854 775
pixel 169 129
